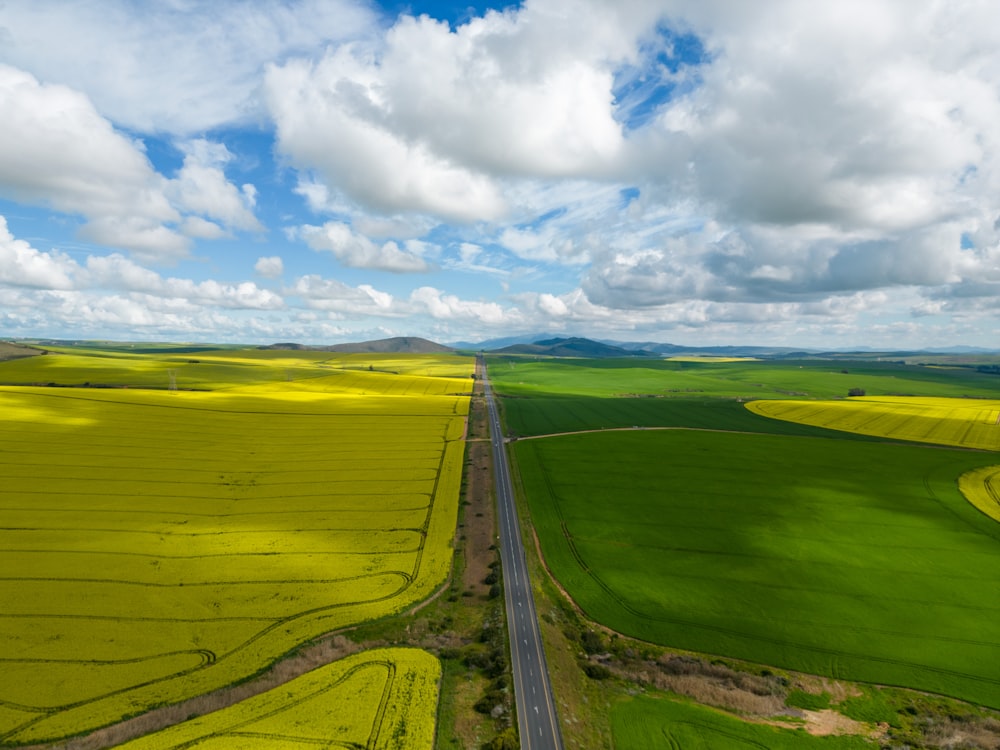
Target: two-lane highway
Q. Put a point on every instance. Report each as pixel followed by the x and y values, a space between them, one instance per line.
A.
pixel 536 714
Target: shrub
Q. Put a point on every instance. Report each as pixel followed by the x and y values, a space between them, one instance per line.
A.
pixel 596 671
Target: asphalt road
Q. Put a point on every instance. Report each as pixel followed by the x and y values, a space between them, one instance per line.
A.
pixel 536 714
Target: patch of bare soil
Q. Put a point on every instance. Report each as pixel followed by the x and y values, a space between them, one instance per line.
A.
pixel 17 351
pixel 828 721
pixel 479 523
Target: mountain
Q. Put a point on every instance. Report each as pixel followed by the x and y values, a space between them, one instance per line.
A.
pixel 571 347
pixel 498 343
pixel 397 345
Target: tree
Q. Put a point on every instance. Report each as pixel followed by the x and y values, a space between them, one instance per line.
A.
pixel 856 392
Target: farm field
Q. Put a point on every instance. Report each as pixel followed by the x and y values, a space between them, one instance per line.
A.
pixel 553 396
pixel 786 544
pixel 159 544
pixel 966 423
pixel 383 698
pixel 853 560
pixel 646 722
pixel 615 378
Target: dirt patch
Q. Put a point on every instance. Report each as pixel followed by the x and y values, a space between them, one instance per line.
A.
pixel 479 521
pixel 828 721
pixel 17 351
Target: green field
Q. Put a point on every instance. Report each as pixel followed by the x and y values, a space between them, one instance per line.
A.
pixel 780 543
pixel 552 396
pixel 853 560
pixel 612 378
pixel 159 544
pixel 645 722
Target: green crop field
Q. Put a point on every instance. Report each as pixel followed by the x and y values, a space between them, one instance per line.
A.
pixel 380 699
pixel 854 560
pixel 769 540
pixel 158 544
pixel 609 378
pixel 645 722
pixel 551 396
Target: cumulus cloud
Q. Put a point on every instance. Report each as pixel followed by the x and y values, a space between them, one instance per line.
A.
pixel 120 273
pixel 23 266
pixel 201 187
pixel 317 127
pixel 852 154
pixel 270 267
pixel 433 119
pixel 357 251
pixel 334 296
pixel 449 306
pixel 181 68
pixel 57 151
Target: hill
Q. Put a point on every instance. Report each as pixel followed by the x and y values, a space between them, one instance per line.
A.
pixel 571 347
pixel 396 345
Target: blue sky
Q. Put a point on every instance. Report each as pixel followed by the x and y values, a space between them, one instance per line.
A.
pixel 805 174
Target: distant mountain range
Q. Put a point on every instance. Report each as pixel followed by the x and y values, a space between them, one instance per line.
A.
pixel 396 345
pixel 573 346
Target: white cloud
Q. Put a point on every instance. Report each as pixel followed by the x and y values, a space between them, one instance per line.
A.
pixel 357 251
pixel 57 151
pixel 177 67
pixel 23 266
pixel 199 228
pixel 851 153
pixel 120 273
pixel 314 109
pixel 270 267
pixel 339 298
pixel 201 187
pixel 449 306
pixel 434 120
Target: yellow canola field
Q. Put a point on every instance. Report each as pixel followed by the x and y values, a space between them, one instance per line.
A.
pixel 966 423
pixel 379 699
pixel 156 545
pixel 982 488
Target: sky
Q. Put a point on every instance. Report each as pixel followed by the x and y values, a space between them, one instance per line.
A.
pixel 702 172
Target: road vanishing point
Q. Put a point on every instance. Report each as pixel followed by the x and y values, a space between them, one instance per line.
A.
pixel 537 722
